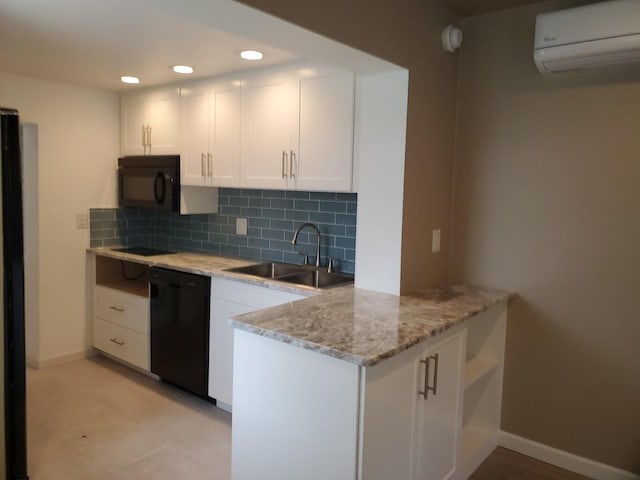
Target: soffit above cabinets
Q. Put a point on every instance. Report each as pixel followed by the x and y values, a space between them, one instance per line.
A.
pixel 93 42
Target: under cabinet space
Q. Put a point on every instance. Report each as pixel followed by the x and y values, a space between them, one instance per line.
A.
pixel 123 275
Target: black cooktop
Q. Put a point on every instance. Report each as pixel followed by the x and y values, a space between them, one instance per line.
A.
pixel 143 251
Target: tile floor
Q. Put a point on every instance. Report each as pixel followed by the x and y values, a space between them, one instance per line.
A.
pixel 95 419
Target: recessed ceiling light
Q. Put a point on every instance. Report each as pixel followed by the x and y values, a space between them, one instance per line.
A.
pixel 183 69
pixel 251 55
pixel 129 79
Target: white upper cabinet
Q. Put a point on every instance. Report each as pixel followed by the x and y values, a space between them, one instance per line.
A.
pixel 211 132
pixel 269 121
pixel 297 129
pixel 150 122
pixel 279 128
pixel 325 149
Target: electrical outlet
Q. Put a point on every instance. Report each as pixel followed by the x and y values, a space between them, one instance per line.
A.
pixel 241 226
pixel 82 221
pixel 435 241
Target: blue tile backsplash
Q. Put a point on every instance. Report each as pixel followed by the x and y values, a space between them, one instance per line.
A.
pixel 272 217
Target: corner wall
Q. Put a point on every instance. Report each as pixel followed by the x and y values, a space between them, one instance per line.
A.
pixel 78 144
pixel 547 204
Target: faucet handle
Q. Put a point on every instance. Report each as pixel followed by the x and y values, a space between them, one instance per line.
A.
pixel 330 265
pixel 305 261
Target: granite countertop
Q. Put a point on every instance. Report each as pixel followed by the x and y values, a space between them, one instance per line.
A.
pixel 204 264
pixel 365 327
pixel 359 326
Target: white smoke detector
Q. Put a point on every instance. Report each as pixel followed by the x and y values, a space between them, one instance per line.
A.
pixel 451 38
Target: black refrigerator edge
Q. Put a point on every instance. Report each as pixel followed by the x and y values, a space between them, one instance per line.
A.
pixel 12 299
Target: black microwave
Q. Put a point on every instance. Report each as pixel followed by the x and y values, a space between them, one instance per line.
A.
pixel 149 182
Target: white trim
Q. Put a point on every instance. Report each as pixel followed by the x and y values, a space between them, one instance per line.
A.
pixel 562 459
pixel 60 359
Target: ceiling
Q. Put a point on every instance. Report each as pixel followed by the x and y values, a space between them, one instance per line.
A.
pixel 94 42
pixel 467 8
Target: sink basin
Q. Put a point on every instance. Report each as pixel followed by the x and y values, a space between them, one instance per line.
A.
pixel 268 270
pixel 318 278
pixel 305 275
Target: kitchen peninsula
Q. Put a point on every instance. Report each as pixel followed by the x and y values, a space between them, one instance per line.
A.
pixel 346 383
pixel 354 384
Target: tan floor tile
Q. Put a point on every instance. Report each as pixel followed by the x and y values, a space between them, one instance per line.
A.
pixel 98 420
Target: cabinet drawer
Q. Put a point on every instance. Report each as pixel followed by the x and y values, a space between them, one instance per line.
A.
pixel 251 295
pixel 124 309
pixel 129 346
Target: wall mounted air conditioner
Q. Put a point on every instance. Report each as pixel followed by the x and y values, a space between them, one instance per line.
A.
pixel 594 35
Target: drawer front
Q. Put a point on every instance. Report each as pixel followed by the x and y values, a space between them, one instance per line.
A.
pixel 129 346
pixel 251 295
pixel 124 309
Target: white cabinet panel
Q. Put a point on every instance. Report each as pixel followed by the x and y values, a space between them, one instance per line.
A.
pixel 128 311
pixel 269 119
pixel 150 122
pixel 225 135
pixel 325 155
pixel 439 415
pixel 195 122
pixel 132 347
pixel 228 299
pixel 211 122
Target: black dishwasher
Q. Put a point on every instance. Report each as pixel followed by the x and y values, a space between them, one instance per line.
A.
pixel 180 328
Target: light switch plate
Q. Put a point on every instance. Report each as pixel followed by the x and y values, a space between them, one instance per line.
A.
pixel 82 221
pixel 241 226
pixel 435 241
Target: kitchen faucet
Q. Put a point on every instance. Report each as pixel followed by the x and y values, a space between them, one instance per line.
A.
pixel 295 239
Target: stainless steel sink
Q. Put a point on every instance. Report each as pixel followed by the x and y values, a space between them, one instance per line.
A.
pixel 318 278
pixel 305 275
pixel 268 270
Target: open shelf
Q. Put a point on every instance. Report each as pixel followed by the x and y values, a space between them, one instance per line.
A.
pixel 123 275
pixel 477 367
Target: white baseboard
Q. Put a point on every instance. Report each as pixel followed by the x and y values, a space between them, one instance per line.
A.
pixel 60 360
pixel 562 459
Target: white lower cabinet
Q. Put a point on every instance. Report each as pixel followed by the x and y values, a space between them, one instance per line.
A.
pixel 413 416
pixel 228 299
pixel 412 412
pixel 121 325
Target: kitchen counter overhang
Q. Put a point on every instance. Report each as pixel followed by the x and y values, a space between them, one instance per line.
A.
pixel 365 327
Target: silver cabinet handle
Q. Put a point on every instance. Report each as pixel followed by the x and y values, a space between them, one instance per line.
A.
pixel 116 341
pixel 117 309
pixel 209 164
pixel 202 165
pixel 144 135
pixel 284 163
pixel 149 137
pixel 426 363
pixel 292 170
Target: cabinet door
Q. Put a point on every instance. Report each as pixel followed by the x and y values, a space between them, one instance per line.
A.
pixel 160 111
pixel 163 118
pixel 325 155
pixel 439 416
pixel 221 348
pixel 224 135
pixel 195 124
pixel 133 120
pixel 269 117
pixel 228 299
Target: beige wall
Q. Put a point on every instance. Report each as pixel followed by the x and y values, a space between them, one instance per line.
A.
pixel 409 37
pixel 547 203
pixel 78 144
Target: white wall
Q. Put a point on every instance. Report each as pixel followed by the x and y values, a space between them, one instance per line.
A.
pixel 78 147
